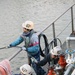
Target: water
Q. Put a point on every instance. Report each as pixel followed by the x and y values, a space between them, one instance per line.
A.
pixel 14 12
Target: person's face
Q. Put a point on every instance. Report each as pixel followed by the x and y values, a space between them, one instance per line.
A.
pixel 55 56
pixel 25 30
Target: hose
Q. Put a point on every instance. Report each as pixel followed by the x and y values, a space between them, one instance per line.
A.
pixel 47 46
pixel 46 49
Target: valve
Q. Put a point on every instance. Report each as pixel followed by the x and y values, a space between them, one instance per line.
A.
pixel 51 71
pixel 70 59
pixel 62 61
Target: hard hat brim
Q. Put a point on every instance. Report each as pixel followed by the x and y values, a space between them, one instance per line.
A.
pixel 24 69
pixel 21 70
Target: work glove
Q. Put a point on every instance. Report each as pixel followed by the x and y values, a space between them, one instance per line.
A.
pixel 23 48
pixel 8 46
pixel 34 60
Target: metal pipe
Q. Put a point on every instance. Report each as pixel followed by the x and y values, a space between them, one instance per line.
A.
pixel 69 69
pixel 72 19
pixel 16 53
pixel 55 40
pixel 53 30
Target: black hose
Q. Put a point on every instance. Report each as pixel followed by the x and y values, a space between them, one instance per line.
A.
pixel 47 46
pixel 46 49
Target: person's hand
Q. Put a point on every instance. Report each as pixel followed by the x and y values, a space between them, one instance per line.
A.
pixel 23 48
pixel 34 60
pixel 8 46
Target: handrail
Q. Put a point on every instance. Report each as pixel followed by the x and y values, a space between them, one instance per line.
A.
pixel 64 13
pixel 52 24
pixel 57 19
pixel 16 53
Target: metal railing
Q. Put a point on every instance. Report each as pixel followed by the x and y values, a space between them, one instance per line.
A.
pixel 53 26
pixel 53 23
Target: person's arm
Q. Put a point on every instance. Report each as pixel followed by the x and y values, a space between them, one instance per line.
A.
pixel 17 41
pixel 44 61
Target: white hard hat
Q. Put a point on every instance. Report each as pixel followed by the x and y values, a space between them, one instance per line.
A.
pixel 56 50
pixel 28 25
pixel 26 69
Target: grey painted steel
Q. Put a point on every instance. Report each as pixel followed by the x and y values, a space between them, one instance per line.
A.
pixel 69 69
